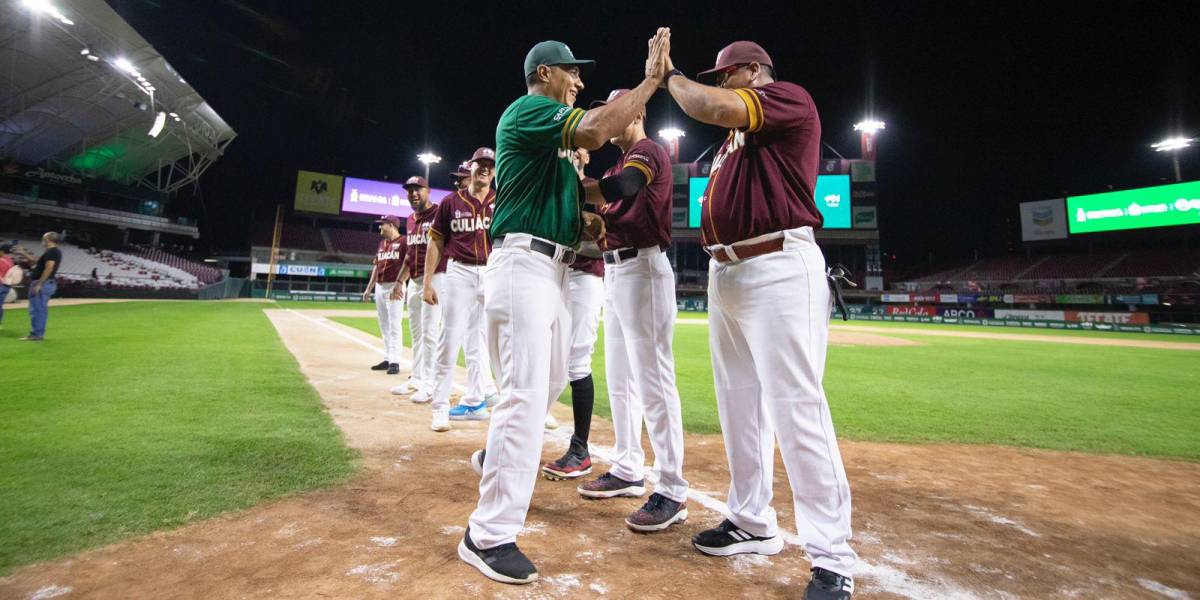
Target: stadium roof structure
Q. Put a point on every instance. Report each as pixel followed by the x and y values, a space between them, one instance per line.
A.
pixel 81 91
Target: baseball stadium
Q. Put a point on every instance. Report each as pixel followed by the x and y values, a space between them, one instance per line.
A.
pixel 237 364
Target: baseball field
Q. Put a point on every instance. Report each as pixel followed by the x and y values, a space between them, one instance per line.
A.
pixel 243 448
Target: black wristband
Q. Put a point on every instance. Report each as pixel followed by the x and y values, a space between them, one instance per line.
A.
pixel 672 73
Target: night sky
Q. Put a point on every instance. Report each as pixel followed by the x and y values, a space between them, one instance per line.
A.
pixel 987 104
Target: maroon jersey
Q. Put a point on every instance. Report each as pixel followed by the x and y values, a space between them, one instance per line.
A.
pixel 389 259
pixel 645 219
pixel 418 243
pixel 763 177
pixel 462 221
pixel 592 266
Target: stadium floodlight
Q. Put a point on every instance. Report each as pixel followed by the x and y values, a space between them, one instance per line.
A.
pixel 671 134
pixel 160 121
pixel 428 158
pixel 1174 145
pixel 45 7
pixel 123 64
pixel 85 52
pixel 869 126
pixel 93 57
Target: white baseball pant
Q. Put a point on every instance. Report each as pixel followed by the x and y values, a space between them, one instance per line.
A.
pixel 391 320
pixel 528 337
pixel 585 297
pixel 461 303
pixel 768 329
pixel 424 325
pixel 639 322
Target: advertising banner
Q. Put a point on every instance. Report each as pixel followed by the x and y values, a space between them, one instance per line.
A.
pixel 1079 298
pixel 1158 206
pixel 370 197
pixel 318 192
pixel 965 313
pixel 1136 299
pixel 948 298
pixel 1043 220
pixel 893 297
pixel 1119 318
pixel 915 311
pixel 1032 298
pixel 862 171
pixel 1030 315
pixel 865 217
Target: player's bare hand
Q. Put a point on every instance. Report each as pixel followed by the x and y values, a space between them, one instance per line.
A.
pixel 655 59
pixel 397 293
pixel 593 226
pixel 429 295
pixel 366 297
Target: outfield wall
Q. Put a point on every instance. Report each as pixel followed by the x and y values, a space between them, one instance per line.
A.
pixel 1026 323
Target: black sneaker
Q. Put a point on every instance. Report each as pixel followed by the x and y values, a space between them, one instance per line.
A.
pixel 393 368
pixel 727 539
pixel 611 486
pixel 827 585
pixel 659 513
pixel 572 464
pixel 383 366
pixel 504 563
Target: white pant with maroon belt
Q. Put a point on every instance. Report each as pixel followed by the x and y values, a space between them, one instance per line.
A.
pixel 768 329
pixel 461 302
pixel 424 326
pixel 391 320
pixel 639 322
pixel 585 297
pixel 528 334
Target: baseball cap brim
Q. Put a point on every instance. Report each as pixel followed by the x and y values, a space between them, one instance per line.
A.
pixel 711 75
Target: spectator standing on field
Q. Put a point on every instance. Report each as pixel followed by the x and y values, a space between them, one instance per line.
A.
pixel 43 286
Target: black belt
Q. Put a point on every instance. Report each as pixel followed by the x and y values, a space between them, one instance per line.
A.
pixel 613 257
pixel 836 276
pixel 543 247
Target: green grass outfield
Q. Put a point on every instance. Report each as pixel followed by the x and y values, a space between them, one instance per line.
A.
pixel 139 416
pixel 1098 399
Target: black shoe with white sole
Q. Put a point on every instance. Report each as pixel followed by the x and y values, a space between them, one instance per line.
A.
pixel 659 513
pixel 504 563
pixel 727 539
pixel 827 585
pixel 611 486
pixel 393 368
pixel 383 366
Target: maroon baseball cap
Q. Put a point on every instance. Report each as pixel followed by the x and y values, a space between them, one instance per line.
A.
pixel 737 53
pixel 390 219
pixel 613 95
pixel 464 170
pixel 415 181
pixel 483 153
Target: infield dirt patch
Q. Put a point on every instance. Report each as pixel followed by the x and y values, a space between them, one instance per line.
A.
pixel 931 521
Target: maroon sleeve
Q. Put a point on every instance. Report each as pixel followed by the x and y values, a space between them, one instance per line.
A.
pixel 645 157
pixel 775 106
pixel 441 220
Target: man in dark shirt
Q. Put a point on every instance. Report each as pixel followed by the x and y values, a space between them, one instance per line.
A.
pixel 43 286
pixel 769 307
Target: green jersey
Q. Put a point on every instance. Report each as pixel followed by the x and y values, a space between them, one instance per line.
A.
pixel 537 188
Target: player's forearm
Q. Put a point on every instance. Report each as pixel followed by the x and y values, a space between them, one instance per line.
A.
pixel 707 104
pixel 371 281
pixel 402 278
pixel 433 255
pixel 608 121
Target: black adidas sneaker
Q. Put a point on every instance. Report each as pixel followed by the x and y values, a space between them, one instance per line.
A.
pixel 504 563
pixel 727 539
pixel 827 585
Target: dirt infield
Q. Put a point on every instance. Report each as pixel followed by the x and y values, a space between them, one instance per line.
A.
pixel 932 521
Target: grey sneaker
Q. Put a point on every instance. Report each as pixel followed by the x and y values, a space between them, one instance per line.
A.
pixel 611 486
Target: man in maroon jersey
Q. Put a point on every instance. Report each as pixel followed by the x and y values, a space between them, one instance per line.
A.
pixel 385 278
pixel 639 323
pixel 769 308
pixel 460 233
pixel 422 324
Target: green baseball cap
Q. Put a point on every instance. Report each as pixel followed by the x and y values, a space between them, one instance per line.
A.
pixel 552 53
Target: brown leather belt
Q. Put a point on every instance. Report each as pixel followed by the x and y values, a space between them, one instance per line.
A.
pixel 745 251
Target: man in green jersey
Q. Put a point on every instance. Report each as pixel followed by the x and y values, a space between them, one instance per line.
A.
pixel 537 223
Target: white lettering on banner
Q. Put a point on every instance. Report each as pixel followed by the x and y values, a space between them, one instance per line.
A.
pixel 1100 317
pixel 1031 315
pixel 894 297
pixel 365 198
pixel 41 173
pixel 467 224
pixel 956 313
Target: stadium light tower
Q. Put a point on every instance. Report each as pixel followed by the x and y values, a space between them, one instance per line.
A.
pixel 868 128
pixel 1174 145
pixel 428 158
pixel 671 135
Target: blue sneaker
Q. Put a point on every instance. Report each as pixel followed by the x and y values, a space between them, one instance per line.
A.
pixel 463 412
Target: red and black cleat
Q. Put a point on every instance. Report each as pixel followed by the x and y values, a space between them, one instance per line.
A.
pixel 570 466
